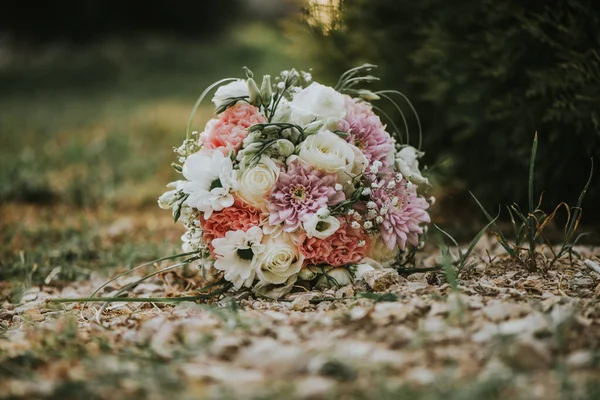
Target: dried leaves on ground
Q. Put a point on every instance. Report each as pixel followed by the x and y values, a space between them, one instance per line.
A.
pixel 501 332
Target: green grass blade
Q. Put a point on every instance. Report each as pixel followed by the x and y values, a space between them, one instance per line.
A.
pixel 503 241
pixel 577 212
pixel 478 237
pixel 532 227
pixel 146 264
pixel 145 277
pixel 460 255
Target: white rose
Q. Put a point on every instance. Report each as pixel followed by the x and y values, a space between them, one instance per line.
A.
pixel 225 93
pixel 255 182
pixel 328 152
pixel 317 102
pixel 407 162
pixel 320 228
pixel 280 260
pixel 341 277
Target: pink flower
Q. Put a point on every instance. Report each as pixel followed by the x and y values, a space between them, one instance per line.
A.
pixel 240 216
pixel 345 246
pixel 367 133
pixel 401 211
pixel 299 191
pixel 229 130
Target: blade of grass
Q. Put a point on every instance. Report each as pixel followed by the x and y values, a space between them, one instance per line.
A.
pixel 532 227
pixel 503 241
pixel 477 238
pixel 146 264
pixel 573 223
pixel 460 255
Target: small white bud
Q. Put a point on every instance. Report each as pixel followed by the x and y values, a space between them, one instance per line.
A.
pixel 355 225
pixel 371 204
pixel 366 192
pixel 338 187
pixel 323 212
pixel 368 225
pixel 379 219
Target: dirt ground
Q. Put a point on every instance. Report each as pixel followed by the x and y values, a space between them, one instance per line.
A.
pixel 500 332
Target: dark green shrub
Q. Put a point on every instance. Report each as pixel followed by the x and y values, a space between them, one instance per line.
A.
pixel 485 75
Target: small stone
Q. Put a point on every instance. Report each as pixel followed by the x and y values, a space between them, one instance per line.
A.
pixel 528 354
pixel 380 280
pixel 302 302
pixel 580 359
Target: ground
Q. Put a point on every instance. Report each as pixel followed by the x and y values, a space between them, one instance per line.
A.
pixel 500 331
pixel 82 162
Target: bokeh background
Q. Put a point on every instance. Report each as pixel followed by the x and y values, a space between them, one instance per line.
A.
pixel 95 94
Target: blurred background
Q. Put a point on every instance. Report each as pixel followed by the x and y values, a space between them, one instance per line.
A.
pixel 94 95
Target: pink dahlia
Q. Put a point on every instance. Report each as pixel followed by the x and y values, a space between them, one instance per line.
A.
pixel 301 190
pixel 240 216
pixel 367 133
pixel 345 246
pixel 399 212
pixel 229 130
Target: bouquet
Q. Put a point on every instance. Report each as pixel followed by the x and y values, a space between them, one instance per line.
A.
pixel 298 183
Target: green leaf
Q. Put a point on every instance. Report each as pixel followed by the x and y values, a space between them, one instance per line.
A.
pixel 378 297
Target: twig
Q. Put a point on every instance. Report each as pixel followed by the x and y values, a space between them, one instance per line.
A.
pixel 592 265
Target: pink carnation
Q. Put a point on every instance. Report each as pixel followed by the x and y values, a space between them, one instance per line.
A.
pixel 341 248
pixel 299 191
pixel 229 130
pixel 240 216
pixel 401 222
pixel 367 133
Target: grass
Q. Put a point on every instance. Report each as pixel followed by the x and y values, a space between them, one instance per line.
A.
pixel 529 227
pixel 97 126
pixel 86 141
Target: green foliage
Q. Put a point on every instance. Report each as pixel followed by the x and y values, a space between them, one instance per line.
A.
pixel 484 75
pixel 531 225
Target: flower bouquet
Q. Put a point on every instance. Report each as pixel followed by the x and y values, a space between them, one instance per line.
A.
pixel 297 184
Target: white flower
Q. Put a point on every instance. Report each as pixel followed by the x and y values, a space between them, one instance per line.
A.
pixel 255 182
pixel 317 102
pixel 407 162
pixel 279 261
pixel 355 225
pixel 323 212
pixel 366 192
pixel 330 153
pixel 368 224
pixel 210 181
pixel 237 255
pixel 320 228
pixel 225 93
pixel 335 277
pixel 167 199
